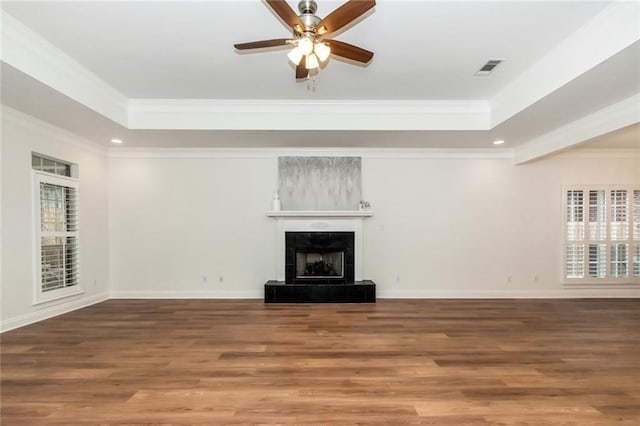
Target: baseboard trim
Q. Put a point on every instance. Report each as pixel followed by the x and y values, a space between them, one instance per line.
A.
pixel 187 294
pixel 569 293
pixel 51 311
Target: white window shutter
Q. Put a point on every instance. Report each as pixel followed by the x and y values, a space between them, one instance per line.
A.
pixel 57 241
pixel 602 236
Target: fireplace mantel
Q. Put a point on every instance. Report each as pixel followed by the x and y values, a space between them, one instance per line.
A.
pixel 320 213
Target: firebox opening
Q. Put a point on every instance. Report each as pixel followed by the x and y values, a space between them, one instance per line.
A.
pixel 319 257
pixel 320 264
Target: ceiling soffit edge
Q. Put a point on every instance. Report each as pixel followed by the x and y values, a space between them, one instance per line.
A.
pixel 609 32
pixel 19 118
pixel 28 52
pixel 255 114
pixel 614 117
pixel 288 106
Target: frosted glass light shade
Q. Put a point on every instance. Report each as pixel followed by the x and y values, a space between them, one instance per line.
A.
pixel 322 51
pixel 312 61
pixel 295 55
pixel 305 45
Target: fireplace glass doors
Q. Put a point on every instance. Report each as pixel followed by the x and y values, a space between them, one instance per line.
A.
pixel 319 257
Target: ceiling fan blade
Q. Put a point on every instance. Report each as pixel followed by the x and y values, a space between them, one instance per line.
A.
pixel 262 43
pixel 301 69
pixel 349 51
pixel 346 13
pixel 284 11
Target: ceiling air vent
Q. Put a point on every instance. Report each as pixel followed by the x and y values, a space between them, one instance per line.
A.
pixel 489 66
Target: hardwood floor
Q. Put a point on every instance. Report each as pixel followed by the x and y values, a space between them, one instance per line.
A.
pixel 438 362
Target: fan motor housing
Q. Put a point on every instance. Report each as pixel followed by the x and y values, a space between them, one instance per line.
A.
pixel 307 6
pixel 307 10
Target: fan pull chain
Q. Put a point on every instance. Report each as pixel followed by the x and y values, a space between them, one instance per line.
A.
pixel 311 83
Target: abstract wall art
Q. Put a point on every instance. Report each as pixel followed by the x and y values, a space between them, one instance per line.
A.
pixel 320 183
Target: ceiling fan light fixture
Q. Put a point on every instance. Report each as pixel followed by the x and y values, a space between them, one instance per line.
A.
pixel 305 45
pixel 295 55
pixel 322 51
pixel 309 34
pixel 312 61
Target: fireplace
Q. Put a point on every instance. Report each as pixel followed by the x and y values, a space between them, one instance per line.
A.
pixel 319 257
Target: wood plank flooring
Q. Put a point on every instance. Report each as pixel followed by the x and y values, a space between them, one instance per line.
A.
pixel 434 362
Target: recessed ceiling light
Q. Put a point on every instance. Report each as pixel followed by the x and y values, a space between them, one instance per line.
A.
pixel 498 142
pixel 116 140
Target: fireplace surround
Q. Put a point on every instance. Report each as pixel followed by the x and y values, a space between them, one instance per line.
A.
pixel 320 221
pixel 332 284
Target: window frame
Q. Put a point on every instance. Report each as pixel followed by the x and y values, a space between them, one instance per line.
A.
pixel 608 280
pixel 40 296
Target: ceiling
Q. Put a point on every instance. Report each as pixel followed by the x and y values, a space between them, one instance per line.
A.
pixel 165 74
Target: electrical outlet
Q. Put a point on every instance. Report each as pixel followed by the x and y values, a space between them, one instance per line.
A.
pixel 397 278
pixel 535 278
pixel 509 279
pixel 221 279
pixel 204 278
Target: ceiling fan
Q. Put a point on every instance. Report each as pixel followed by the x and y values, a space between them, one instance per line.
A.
pixel 311 47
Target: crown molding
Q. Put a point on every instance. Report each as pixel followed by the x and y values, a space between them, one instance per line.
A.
pixel 33 55
pixel 378 153
pixel 614 117
pixel 254 114
pixel 612 30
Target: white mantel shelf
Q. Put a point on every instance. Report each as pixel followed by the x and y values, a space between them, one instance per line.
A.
pixel 320 213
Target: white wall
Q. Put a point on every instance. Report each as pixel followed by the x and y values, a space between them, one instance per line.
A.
pixel 462 227
pixel 192 223
pixel 443 227
pixel 22 134
pixel 175 221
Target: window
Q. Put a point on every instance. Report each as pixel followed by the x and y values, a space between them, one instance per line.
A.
pixel 602 235
pixel 49 165
pixel 56 229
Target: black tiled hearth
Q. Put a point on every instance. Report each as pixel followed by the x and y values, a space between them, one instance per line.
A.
pixel 354 292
